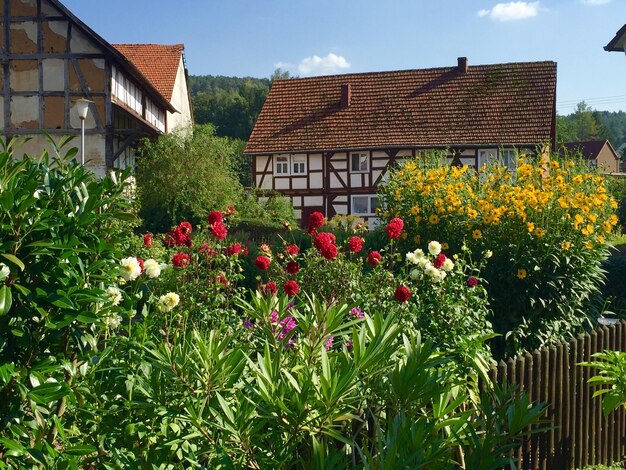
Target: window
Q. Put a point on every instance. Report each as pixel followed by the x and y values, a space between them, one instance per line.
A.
pixel 359 163
pixel 365 204
pixel 509 158
pixel 298 165
pixel 486 157
pixel 281 165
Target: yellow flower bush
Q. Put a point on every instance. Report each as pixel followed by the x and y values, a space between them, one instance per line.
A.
pixel 546 222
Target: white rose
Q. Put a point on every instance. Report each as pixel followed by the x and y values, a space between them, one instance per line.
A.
pixel 415 274
pixel 448 265
pixel 114 295
pixel 488 254
pixel 152 268
pixel 113 321
pixel 4 271
pixel 434 248
pixel 411 258
pixel 131 269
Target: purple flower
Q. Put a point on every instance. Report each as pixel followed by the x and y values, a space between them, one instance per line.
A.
pixel 357 312
pixel 248 324
pixel 290 306
pixel 329 342
pixel 274 316
pixel 349 345
pixel 288 323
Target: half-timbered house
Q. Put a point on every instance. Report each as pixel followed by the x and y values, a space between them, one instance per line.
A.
pixel 327 142
pixel 50 60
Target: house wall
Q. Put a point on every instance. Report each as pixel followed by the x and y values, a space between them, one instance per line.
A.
pixel 331 184
pixel 606 161
pixel 180 100
pixel 47 64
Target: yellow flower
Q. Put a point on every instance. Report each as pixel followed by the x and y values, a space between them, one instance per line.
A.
pixel 477 234
pixel 417 239
pixel 444 246
pixel 472 213
pixel 588 230
pixel 588 245
pixel 613 220
pixel 433 219
pixel 613 204
pixel 521 273
pixel 404 235
pixel 606 225
pixel 601 239
pixel 566 245
pixel 531 227
pixel 539 232
pixel 554 164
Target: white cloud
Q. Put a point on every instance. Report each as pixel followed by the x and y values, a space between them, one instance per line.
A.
pixel 595 2
pixel 283 65
pixel 316 65
pixel 513 11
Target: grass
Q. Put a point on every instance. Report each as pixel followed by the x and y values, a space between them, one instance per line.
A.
pixel 615 466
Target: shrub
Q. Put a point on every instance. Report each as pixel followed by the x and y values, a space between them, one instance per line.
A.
pixel 182 176
pixel 58 256
pixel 546 224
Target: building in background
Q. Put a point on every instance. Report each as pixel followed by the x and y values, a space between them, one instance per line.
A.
pixel 599 153
pixel 327 142
pixel 50 60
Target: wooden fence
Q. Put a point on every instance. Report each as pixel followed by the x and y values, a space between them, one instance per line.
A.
pixel 580 435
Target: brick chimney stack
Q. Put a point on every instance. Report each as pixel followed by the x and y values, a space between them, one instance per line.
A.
pixel 346 95
pixel 462 61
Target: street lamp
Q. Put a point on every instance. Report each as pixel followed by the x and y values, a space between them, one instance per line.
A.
pixel 82 106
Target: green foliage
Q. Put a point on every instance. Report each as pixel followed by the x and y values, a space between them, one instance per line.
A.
pixel 59 231
pixel 582 125
pixel 231 104
pixel 617 189
pixel 182 176
pixel 611 367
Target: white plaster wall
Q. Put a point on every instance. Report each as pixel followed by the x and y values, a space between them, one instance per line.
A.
pixel 180 100
pixel 317 181
pixel 315 161
pixel 313 201
pixel 281 183
pixel 24 109
pixel 80 43
pixel 299 183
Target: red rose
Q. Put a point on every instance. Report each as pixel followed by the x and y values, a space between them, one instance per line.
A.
pixel 291 288
pixel 215 217
pixel 355 244
pixel 169 240
pixel 234 249
pixel 329 251
pixel 140 261
pixel 180 237
pixel 181 260
pixel 394 228
pixel 471 282
pixel 245 251
pixel 292 267
pixel 262 262
pixel 292 250
pixel 219 231
pixel 184 227
pixel 270 288
pixel 323 239
pixel 402 294
pixel 221 279
pixel 439 260
pixel 316 220
pixel 374 258
pixel 147 240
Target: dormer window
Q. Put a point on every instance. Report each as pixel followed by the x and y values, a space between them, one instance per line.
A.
pixel 298 165
pixel 281 165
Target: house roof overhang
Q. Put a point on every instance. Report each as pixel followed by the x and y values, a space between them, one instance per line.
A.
pixel 118 57
pixel 618 43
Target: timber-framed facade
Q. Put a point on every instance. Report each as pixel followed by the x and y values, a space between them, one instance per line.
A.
pixel 328 142
pixel 50 60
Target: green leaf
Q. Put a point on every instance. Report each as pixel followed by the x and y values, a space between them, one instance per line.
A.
pixel 49 392
pixel 84 449
pixel 5 300
pixel 15 260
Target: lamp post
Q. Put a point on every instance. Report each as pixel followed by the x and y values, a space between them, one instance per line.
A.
pixel 82 106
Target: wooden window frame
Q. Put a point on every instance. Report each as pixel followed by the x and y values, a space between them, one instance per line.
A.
pixel 367 160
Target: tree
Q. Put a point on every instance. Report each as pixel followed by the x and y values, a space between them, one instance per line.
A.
pixel 183 176
pixel 582 125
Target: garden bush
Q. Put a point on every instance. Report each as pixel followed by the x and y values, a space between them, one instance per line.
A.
pixel 545 224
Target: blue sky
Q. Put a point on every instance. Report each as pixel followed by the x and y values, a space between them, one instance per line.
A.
pixel 312 37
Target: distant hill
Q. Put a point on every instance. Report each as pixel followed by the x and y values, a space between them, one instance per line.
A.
pixel 232 104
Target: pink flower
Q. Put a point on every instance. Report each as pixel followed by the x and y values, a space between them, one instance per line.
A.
pixel 292 250
pixel 394 228
pixel 329 342
pixel 287 324
pixel 357 312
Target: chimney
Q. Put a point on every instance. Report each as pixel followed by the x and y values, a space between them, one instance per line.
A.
pixel 346 95
pixel 462 61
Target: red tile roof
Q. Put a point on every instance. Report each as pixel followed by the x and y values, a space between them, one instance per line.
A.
pixel 489 104
pixel 158 63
